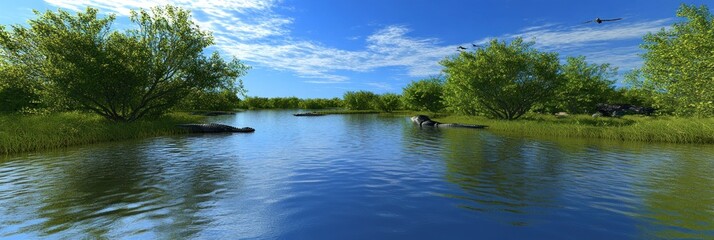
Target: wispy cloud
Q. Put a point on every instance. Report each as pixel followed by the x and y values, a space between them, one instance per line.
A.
pixel 615 43
pixel 244 19
pixel 387 47
pixel 558 36
pixel 381 85
pixel 252 31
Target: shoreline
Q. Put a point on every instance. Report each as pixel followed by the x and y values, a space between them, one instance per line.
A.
pixel 661 129
pixel 31 133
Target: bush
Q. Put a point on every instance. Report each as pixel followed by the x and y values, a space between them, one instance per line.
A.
pixel 502 80
pixel 360 100
pixel 424 95
pixel 388 102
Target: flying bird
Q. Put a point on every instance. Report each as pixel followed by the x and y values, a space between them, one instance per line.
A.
pixel 460 48
pixel 598 20
pixel 476 45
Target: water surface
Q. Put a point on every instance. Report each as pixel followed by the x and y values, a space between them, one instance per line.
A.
pixel 358 177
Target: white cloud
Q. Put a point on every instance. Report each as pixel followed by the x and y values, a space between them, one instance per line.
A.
pixel 245 19
pixel 388 47
pixel 552 36
pixel 615 43
pixel 252 31
pixel 381 85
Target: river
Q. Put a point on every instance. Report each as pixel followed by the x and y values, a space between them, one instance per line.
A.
pixel 358 177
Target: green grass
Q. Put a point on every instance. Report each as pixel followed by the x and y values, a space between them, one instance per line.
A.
pixel 629 128
pixel 24 133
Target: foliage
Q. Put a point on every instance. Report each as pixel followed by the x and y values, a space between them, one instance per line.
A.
pixel 255 103
pixel 284 103
pixel 678 65
pixel 289 103
pixel 320 103
pixel 222 100
pixel 120 76
pixel 585 85
pixel 635 92
pixel 16 94
pixel 360 100
pixel 388 102
pixel 502 80
pixel 424 95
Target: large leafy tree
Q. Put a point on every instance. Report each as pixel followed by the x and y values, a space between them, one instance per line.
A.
pixel 585 85
pixel 122 76
pixel 502 80
pixel 426 94
pixel 16 94
pixel 679 64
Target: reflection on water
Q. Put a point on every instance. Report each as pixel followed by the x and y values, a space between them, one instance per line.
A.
pixel 603 188
pixel 359 177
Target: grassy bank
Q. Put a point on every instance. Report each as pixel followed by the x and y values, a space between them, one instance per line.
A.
pixel 21 133
pixel 629 128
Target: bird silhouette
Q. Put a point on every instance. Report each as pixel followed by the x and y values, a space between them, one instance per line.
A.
pixel 460 48
pixel 476 45
pixel 598 20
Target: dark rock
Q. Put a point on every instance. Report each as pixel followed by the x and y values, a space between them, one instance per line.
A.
pixel 619 110
pixel 309 114
pixel 213 128
pixel 425 121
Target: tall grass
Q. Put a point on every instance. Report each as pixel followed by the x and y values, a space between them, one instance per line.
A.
pixel 629 128
pixel 23 133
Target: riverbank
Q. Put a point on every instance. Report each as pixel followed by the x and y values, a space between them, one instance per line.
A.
pixel 25 133
pixel 628 128
pixel 664 129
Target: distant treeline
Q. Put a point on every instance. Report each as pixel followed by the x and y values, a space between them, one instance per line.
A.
pixel 289 103
pixel 359 100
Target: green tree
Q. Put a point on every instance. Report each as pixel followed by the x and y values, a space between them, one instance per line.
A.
pixel 360 100
pixel 502 80
pixel 255 103
pixel 636 91
pixel 121 76
pixel 221 100
pixel 678 65
pixel 424 95
pixel 388 102
pixel 320 103
pixel 585 85
pixel 16 94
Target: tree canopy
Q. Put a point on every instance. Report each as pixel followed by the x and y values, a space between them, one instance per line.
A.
pixel 122 76
pixel 678 65
pixel 359 100
pixel 584 86
pixel 388 102
pixel 502 80
pixel 424 95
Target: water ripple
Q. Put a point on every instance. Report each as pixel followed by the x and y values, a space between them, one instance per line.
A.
pixel 358 176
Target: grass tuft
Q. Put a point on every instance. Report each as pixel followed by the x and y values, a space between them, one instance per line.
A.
pixel 24 133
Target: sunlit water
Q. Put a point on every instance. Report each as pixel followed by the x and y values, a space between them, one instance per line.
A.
pixel 358 177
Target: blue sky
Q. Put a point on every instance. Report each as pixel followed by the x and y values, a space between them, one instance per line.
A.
pixel 322 48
